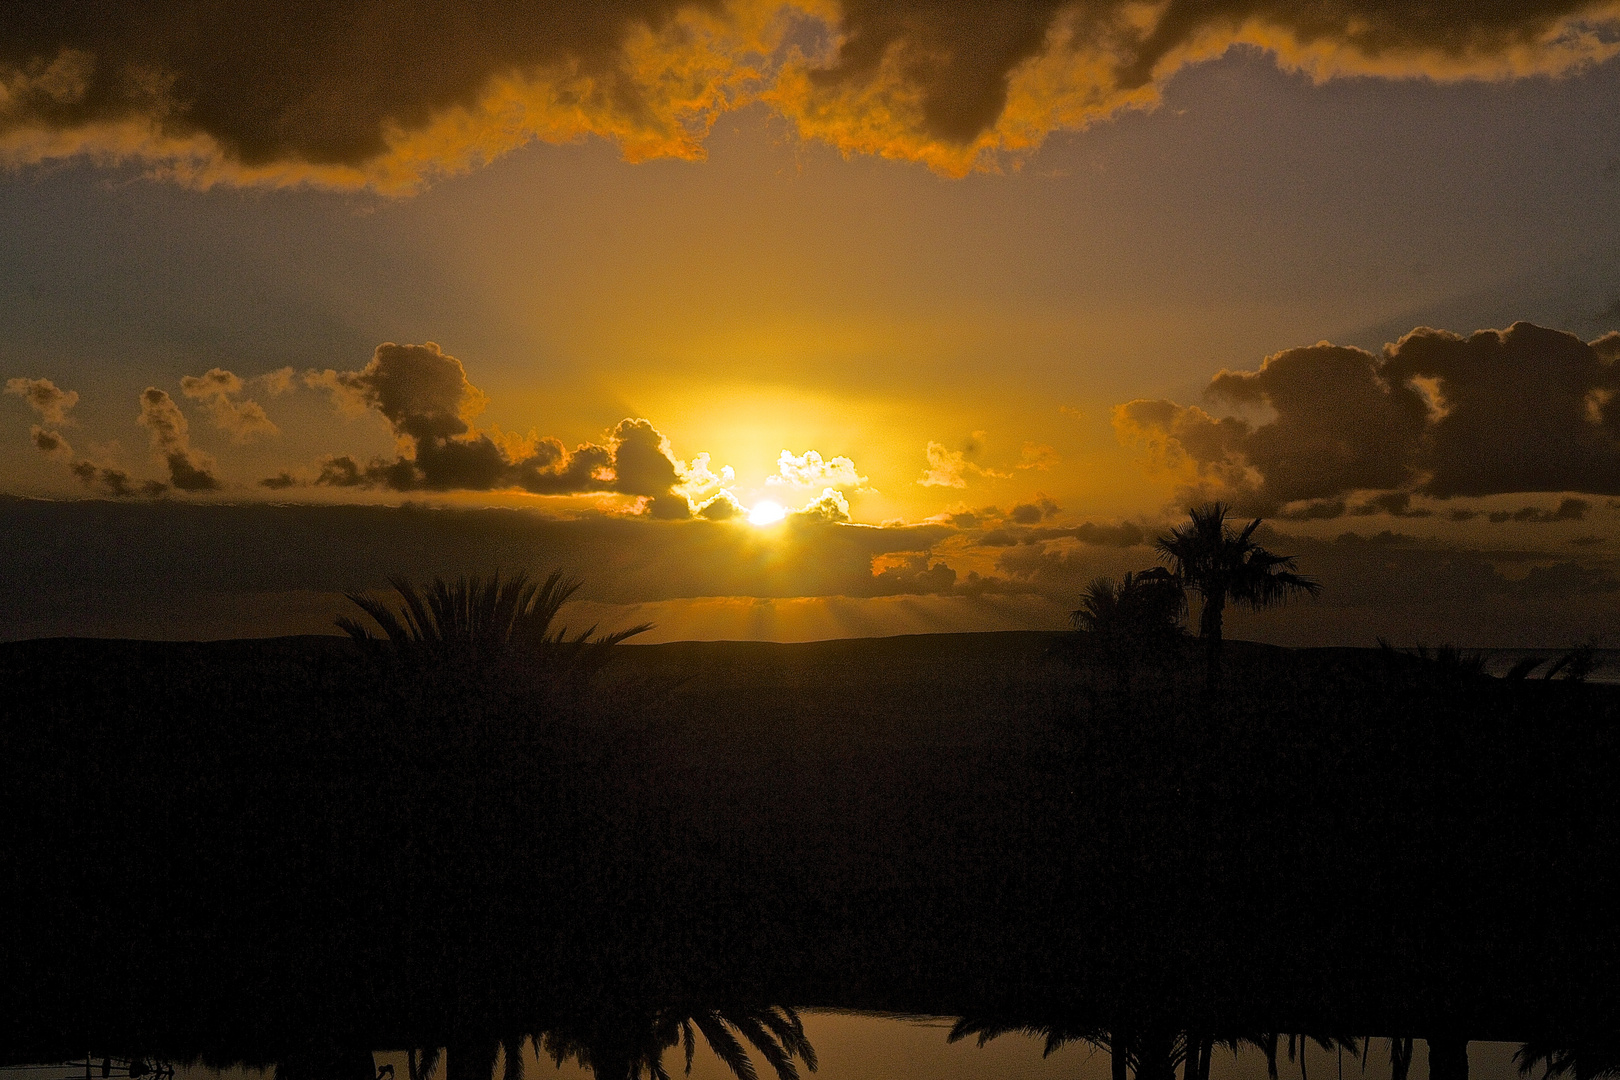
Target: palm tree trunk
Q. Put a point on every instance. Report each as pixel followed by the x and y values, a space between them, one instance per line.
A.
pixel 1209 628
pixel 1119 1049
pixel 1196 1065
pixel 468 1059
pixel 1448 1059
pixel 1400 1057
pixel 1155 1056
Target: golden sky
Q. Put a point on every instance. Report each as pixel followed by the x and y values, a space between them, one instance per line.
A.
pixel 979 296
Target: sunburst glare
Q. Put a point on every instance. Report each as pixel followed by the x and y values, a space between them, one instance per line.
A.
pixel 766 513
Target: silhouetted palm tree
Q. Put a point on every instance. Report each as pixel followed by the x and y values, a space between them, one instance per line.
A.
pixel 421 1067
pixel 1400 1056
pixel 1141 606
pixel 1225 566
pixel 1136 616
pixel 1577 665
pixel 1592 1060
pixel 473 629
pixel 1149 1053
pixel 629 1048
pixel 1056 1033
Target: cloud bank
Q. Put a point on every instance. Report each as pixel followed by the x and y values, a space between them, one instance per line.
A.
pixel 174 568
pixel 424 393
pixel 386 95
pixel 1499 412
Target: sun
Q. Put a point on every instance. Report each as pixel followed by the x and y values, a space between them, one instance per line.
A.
pixel 766 513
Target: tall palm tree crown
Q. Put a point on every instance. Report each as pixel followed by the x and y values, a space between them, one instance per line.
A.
pixel 1226 566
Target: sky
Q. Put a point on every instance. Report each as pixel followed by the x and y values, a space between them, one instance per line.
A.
pixel 799 320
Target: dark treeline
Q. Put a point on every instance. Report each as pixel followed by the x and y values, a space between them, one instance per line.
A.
pixel 226 847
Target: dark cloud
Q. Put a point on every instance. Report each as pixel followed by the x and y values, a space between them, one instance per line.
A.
pixel 279 482
pixel 1053 569
pixel 1124 535
pixel 1525 409
pixel 1036 512
pixel 913 575
pixel 342 471
pixel 1315 510
pixel 958 55
pixel 420 390
pixel 50 443
pixel 114 482
pixel 829 508
pixel 1394 503
pixel 321 85
pixel 185 474
pixel 361 92
pixel 424 393
pixel 642 461
pixel 721 507
pixel 189 469
pixel 1568 510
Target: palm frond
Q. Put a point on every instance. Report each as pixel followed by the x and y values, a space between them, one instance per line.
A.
pixel 725 1045
pixel 765 1042
pixel 784 1022
pixel 513 1048
pixel 421 1068
pixel 1523 668
pixel 471 624
pixel 419 623
pixel 399 635
pixel 1056 1035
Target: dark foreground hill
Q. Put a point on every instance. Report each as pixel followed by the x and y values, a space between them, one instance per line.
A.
pixel 228 840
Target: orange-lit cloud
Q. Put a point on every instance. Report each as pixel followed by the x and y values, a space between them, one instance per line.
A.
pixel 809 470
pixel 389 95
pixel 221 393
pixel 830 506
pixel 52 404
pixel 949 468
pixel 189 469
pixel 45 398
pixel 944 466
